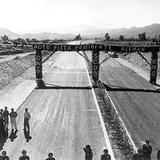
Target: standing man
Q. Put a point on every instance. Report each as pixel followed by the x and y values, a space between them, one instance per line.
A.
pixel 6 118
pixel 4 156
pixel 105 156
pixel 2 128
pixel 13 116
pixel 50 156
pixel 88 152
pixel 147 150
pixel 24 156
pixel 27 117
pixel 138 155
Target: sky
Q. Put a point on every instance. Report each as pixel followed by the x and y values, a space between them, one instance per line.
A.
pixel 65 16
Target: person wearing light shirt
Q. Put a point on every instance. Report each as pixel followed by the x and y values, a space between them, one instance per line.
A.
pixel 27 117
pixel 13 116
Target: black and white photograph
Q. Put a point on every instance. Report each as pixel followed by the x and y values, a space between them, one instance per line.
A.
pixel 79 80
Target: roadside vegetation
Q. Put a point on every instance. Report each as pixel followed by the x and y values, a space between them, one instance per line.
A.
pixel 119 139
pixel 14 68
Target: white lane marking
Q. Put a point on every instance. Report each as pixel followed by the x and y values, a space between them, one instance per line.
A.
pixel 101 120
pixel 128 134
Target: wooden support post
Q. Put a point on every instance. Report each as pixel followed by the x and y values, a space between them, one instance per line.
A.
pixel 38 68
pixel 95 65
pixel 154 65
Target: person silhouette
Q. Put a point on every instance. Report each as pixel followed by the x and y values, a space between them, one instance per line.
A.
pixel 2 127
pixel 147 150
pixel 4 156
pixel 105 156
pixel 24 156
pixel 88 152
pixel 13 116
pixel 50 156
pixel 138 155
pixel 158 155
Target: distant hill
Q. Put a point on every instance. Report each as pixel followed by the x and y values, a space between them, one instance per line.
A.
pixel 39 36
pixel 47 35
pixel 151 31
pixel 88 32
pixel 10 34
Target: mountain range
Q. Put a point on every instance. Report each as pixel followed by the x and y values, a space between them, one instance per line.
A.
pixel 151 31
pixel 39 36
pixel 88 32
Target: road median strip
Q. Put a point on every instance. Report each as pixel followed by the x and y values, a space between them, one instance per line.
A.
pixel 107 141
pixel 120 139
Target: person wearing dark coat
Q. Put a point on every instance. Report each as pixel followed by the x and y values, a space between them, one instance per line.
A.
pixel 6 117
pixel 50 156
pixel 105 156
pixel 158 155
pixel 147 150
pixel 88 152
pixel 24 156
pixel 4 156
pixel 2 127
pixel 138 155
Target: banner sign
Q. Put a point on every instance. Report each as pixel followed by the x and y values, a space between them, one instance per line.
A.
pixel 83 47
pixel 38 65
pixel 154 65
pixel 95 65
pixel 99 47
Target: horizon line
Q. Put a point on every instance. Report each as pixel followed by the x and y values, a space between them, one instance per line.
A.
pixel 75 32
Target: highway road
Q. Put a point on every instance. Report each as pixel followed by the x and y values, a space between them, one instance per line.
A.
pixel 136 100
pixel 64 115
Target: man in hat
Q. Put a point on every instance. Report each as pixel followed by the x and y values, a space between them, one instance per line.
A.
pixel 24 156
pixel 138 155
pixel 50 156
pixel 147 150
pixel 6 117
pixel 27 117
pixel 4 156
pixel 2 127
pixel 105 156
pixel 88 152
pixel 13 116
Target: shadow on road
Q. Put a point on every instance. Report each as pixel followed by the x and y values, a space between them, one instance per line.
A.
pixel 13 136
pixel 119 88
pixel 65 87
pixel 27 135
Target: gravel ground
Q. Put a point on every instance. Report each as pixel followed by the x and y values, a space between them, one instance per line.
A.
pixel 135 58
pixel 13 68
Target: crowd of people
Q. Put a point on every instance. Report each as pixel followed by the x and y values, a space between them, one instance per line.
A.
pixel 143 153
pixel 89 154
pixel 6 117
pixel 24 156
pixel 87 149
pixel 4 121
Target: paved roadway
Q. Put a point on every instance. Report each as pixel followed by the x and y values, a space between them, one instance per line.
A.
pixel 136 101
pixel 64 115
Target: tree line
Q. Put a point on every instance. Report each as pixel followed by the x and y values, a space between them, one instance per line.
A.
pixel 141 37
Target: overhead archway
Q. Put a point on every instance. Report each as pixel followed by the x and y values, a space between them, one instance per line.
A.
pixel 96 48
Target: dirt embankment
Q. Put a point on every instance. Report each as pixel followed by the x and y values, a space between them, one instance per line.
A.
pixel 135 58
pixel 13 68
